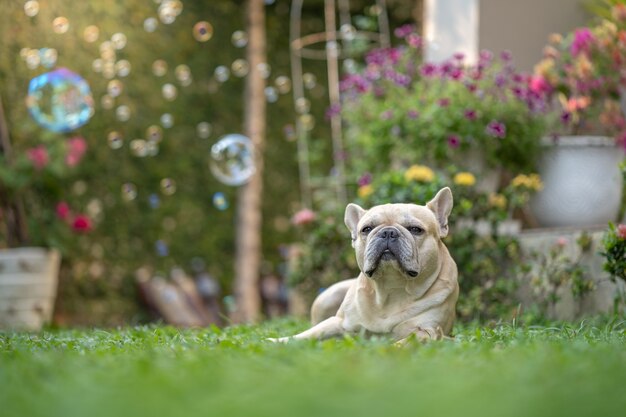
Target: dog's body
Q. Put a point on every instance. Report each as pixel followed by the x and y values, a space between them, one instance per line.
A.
pixel 408 281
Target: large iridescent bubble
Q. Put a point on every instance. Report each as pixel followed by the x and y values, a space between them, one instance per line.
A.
pixel 232 159
pixel 60 100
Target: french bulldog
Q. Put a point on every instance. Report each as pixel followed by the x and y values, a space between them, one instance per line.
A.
pixel 408 281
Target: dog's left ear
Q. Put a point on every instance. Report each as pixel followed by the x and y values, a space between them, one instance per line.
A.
pixel 441 205
pixel 354 212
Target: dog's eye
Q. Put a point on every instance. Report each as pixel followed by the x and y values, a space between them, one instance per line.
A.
pixel 416 230
pixel 366 229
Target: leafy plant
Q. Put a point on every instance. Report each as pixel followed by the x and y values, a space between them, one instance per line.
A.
pixel 614 251
pixel 401 109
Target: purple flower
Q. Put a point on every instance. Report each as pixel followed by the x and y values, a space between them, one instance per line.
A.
pixel 404 31
pixel 500 80
pixel 414 41
pixel 333 111
pixel 454 141
pixel 354 82
pixel 428 70
pixel 444 102
pixel 412 114
pixel 583 38
pixel 485 56
pixel 470 114
pixel 518 78
pixel 566 117
pixel 365 179
pixel 506 56
pixel 471 87
pixel 459 56
pixel 519 93
pixel 496 129
pixel 456 74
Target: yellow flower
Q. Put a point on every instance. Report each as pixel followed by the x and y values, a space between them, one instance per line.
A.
pixel 419 173
pixel 464 179
pixel 365 191
pixel 497 200
pixel 532 182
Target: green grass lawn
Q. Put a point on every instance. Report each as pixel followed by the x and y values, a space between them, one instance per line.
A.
pixel 565 370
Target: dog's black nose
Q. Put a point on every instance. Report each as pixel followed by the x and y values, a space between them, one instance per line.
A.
pixel 390 233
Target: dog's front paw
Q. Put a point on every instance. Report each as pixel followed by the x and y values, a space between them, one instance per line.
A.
pixel 278 339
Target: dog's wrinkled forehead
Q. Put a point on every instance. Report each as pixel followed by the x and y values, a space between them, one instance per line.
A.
pixel 403 214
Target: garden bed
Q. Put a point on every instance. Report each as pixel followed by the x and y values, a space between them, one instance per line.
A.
pixel 567 370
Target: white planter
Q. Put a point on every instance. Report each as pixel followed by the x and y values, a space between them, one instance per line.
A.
pixel 582 182
pixel 28 287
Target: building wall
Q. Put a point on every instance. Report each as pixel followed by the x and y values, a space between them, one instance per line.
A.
pixel 523 26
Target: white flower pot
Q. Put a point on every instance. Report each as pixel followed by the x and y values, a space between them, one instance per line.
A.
pixel 582 182
pixel 28 287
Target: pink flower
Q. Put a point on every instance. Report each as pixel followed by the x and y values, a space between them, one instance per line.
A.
pixel 63 210
pixel 583 39
pixel 38 156
pixel 304 216
pixel 621 231
pixel 77 146
pixel 428 70
pixel 470 114
pixel 562 242
pixel 444 102
pixel 81 224
pixel 414 41
pixel 539 85
pixel 496 129
pixel 454 141
pixel 365 179
pixel 404 31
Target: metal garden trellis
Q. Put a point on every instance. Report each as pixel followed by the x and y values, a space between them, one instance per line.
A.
pixel 334 40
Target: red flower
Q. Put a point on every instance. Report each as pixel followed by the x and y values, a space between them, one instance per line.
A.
pixel 63 210
pixel 77 146
pixel 621 231
pixel 38 156
pixel 81 224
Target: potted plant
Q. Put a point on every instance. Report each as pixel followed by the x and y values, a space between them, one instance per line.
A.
pixel 401 110
pixel 581 76
pixel 39 224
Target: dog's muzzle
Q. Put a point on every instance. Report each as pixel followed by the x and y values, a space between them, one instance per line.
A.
pixel 386 245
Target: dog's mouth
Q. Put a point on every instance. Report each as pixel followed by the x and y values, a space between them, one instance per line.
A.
pixel 388 255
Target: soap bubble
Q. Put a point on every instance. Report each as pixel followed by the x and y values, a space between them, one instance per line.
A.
pixel 31 8
pixel 219 201
pixel 265 69
pixel 154 200
pixel 183 75
pixel 115 139
pixel 168 186
pixel 232 159
pixel 107 51
pixel 152 148
pixel 129 191
pixel 169 91
pixel 167 120
pixel 48 57
pixel 122 113
pixel 33 59
pixel 107 102
pixel 159 67
pixel 307 122
pixel 114 88
pixel 283 84
pixel 350 66
pixel 97 65
pixel 154 134
pixel 139 148
pixel 119 40
pixel 122 68
pixel 202 31
pixel 150 24
pixel 348 32
pixel 222 73
pixel 60 100
pixel 239 38
pixel 303 105
pixel 91 34
pixel 271 95
pixel 309 80
pixel 108 69
pixel 203 130
pixel 167 14
pixel 60 25
pixel 240 67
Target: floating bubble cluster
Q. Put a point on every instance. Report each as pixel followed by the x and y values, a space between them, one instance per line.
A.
pixel 129 191
pixel 60 25
pixel 115 139
pixel 154 134
pixel 232 160
pixel 60 100
pixel 239 38
pixel 168 186
pixel 91 34
pixel 202 31
pixel 240 67
pixel 219 201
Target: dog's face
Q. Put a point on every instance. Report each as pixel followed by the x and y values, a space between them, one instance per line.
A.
pixel 399 238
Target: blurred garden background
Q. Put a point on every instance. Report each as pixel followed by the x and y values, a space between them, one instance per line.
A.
pixel 118 151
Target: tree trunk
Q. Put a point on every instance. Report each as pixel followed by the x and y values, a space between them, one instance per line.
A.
pixel 248 250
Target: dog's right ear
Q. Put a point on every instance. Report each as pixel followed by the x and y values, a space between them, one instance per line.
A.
pixel 353 214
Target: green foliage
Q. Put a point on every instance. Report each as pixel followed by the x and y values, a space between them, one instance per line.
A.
pixel 614 251
pixel 558 370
